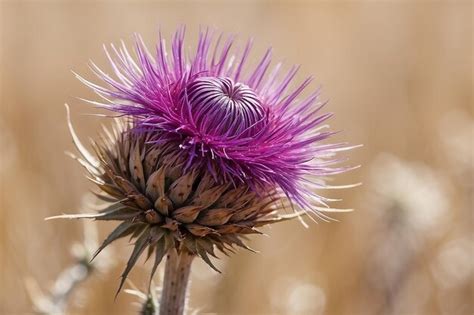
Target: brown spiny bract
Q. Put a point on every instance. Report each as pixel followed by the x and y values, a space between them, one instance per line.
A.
pixel 163 205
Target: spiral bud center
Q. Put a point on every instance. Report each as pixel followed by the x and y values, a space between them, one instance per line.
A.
pixel 222 107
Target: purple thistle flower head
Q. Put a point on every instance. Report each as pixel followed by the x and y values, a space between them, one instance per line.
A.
pixel 243 125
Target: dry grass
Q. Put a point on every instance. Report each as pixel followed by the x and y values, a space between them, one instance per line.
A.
pixel 399 78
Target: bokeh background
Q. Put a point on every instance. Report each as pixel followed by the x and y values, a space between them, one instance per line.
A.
pixel 398 75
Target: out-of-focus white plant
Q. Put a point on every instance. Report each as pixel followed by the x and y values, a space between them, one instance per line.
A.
pixel 148 303
pixel 57 300
pixel 293 296
pixel 453 272
pixel 453 267
pixel 409 202
pixel 456 132
pixel 410 193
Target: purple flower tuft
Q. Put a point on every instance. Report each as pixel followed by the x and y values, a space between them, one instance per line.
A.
pixel 241 125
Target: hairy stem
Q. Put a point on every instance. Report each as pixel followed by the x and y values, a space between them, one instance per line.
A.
pixel 177 270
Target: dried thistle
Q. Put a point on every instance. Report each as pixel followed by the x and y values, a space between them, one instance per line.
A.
pixel 205 156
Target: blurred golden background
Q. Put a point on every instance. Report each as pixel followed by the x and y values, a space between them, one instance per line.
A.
pixel 398 75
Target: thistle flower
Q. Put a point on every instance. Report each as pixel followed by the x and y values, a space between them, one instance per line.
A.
pixel 241 128
pixel 205 154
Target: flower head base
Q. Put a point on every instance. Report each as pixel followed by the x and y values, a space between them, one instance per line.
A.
pixel 243 125
pixel 165 207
